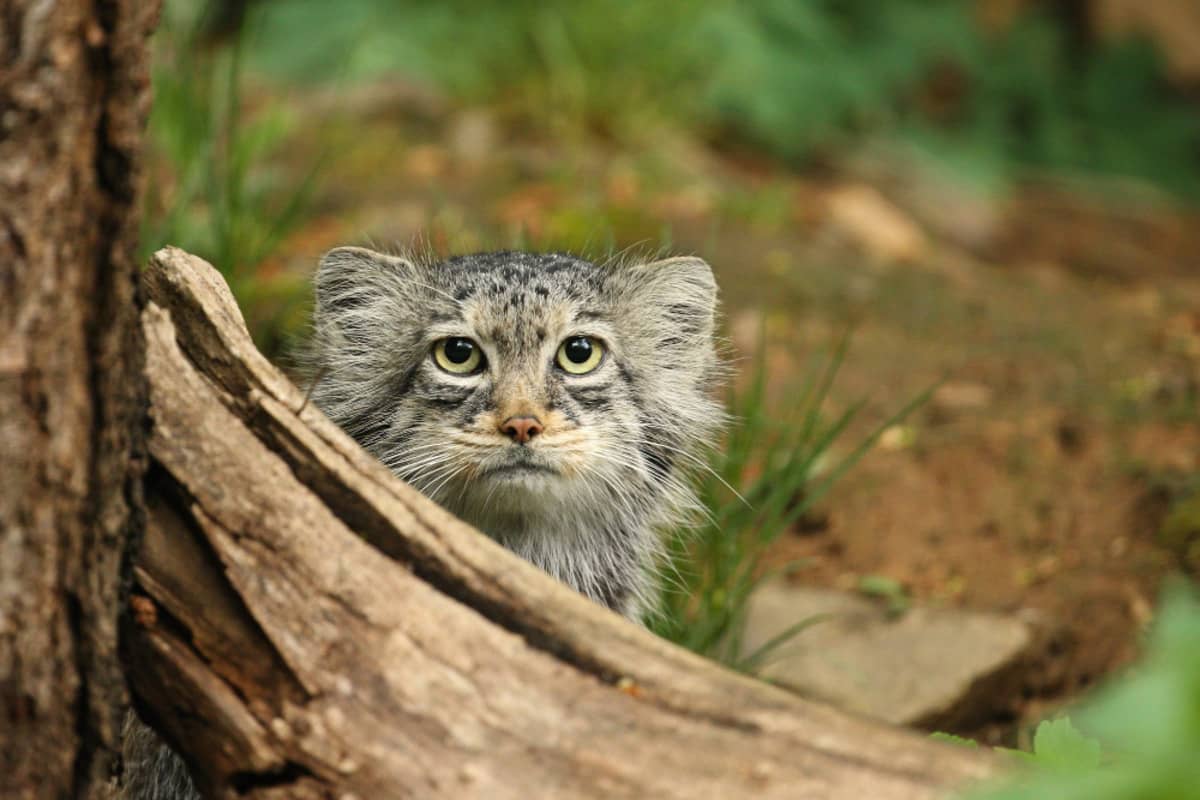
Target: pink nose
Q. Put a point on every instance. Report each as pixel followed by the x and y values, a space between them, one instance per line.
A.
pixel 521 429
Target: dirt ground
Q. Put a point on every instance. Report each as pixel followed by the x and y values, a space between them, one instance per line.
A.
pixel 1064 330
pixel 1015 489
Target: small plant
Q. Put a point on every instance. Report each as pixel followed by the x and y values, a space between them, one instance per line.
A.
pixel 889 590
pixel 1136 740
pixel 771 471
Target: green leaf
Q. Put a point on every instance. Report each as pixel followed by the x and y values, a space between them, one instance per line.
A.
pixel 887 589
pixel 1059 745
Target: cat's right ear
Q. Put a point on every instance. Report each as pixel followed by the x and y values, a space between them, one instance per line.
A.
pixel 351 279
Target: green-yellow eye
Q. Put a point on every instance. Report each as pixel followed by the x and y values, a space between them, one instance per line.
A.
pixel 580 355
pixel 458 355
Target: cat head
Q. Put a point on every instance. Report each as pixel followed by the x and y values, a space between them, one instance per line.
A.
pixel 511 386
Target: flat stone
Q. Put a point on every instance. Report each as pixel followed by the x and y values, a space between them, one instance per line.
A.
pixel 930 668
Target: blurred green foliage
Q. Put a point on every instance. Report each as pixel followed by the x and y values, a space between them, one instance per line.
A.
pixel 804 79
pixel 808 77
pixel 599 63
pixel 1136 740
pixel 212 188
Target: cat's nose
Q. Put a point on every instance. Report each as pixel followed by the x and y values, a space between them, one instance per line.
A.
pixel 521 429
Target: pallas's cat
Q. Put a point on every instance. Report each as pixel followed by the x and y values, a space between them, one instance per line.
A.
pixel 553 402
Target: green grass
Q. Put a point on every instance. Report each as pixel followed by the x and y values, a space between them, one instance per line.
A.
pixel 775 465
pixel 216 187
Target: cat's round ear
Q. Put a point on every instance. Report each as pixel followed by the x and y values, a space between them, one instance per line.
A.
pixel 350 277
pixel 683 290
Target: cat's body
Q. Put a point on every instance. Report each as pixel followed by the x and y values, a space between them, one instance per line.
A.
pixel 552 402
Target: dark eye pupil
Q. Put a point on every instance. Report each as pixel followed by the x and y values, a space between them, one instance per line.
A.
pixel 459 350
pixel 579 350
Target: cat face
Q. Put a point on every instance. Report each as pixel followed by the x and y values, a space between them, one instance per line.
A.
pixel 518 388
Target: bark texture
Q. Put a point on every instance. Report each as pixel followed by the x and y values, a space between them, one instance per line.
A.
pixel 305 625
pixel 74 93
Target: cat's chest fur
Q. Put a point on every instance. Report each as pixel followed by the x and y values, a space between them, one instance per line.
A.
pixel 552 402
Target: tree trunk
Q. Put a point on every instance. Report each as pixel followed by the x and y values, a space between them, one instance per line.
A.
pixel 74 92
pixel 287 657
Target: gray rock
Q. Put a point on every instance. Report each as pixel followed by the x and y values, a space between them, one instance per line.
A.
pixel 933 668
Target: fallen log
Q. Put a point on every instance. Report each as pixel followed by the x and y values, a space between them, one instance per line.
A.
pixel 306 625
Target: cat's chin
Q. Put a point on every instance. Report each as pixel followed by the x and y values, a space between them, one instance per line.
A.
pixel 521 488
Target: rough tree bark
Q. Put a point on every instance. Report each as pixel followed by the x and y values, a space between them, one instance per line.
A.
pixel 308 626
pixel 74 92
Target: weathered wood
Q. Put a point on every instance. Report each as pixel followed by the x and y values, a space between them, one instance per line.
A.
pixel 74 95
pixel 309 626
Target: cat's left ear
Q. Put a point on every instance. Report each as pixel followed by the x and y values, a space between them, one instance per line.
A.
pixel 352 279
pixel 364 297
pixel 683 291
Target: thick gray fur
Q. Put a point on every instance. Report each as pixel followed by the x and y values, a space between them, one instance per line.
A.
pixel 617 445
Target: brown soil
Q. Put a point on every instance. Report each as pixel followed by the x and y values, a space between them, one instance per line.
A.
pixel 1033 480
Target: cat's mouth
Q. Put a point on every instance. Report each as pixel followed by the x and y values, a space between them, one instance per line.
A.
pixel 517 468
pixel 522 465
